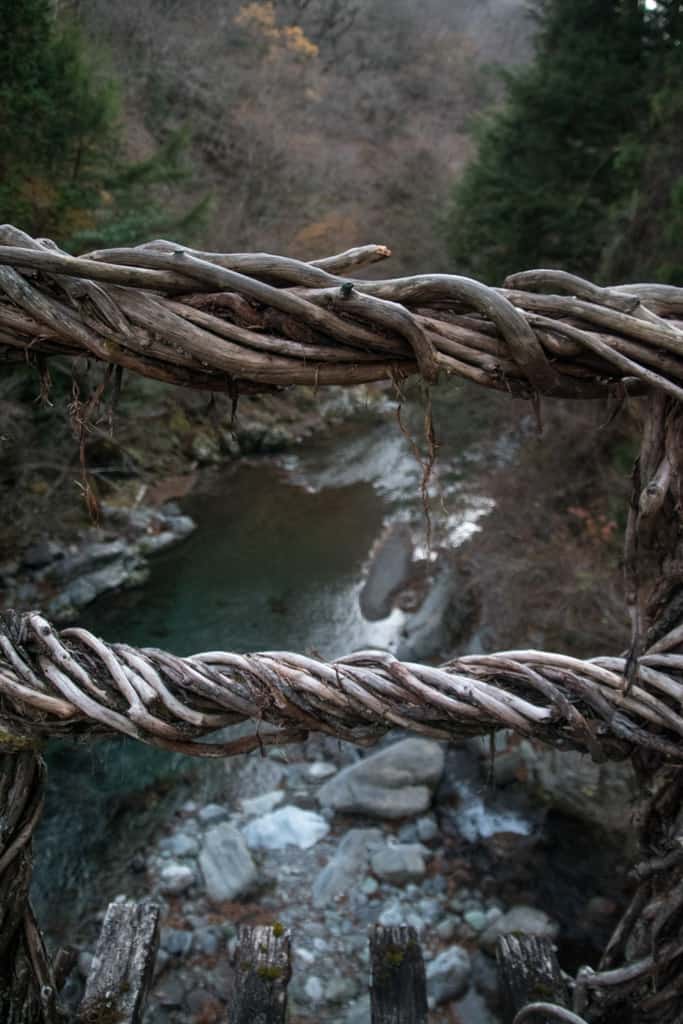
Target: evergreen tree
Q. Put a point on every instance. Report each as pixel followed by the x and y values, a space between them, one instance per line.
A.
pixel 62 173
pixel 646 239
pixel 542 188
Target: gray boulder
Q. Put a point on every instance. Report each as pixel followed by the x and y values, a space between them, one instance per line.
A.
pixel 522 920
pixel 599 794
pixel 226 863
pixel 399 862
pixel 396 782
pixel 348 865
pixel 448 975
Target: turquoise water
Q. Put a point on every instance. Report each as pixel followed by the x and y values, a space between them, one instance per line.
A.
pixel 277 561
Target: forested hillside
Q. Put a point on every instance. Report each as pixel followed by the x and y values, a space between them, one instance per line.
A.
pixel 581 166
pixel 312 124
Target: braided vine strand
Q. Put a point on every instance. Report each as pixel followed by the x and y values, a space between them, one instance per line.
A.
pixel 249 322
pixel 70 682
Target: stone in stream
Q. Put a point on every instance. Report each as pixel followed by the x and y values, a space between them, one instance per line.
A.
pixel 179 845
pixel 520 919
pixel 287 826
pixel 395 782
pixel 399 862
pixel 41 553
pixel 349 863
pixel 226 863
pixel 391 566
pixel 175 878
pixel 319 770
pixel 263 804
pixel 448 975
pixel 427 828
pixel 211 814
pixel 176 941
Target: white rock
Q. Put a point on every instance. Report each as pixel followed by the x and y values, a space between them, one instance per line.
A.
pixel 175 878
pixel 395 782
pixel 522 919
pixel 350 862
pixel 320 770
pixel 427 828
pixel 288 826
pixel 399 862
pixel 314 989
pixel 211 814
pixel 262 804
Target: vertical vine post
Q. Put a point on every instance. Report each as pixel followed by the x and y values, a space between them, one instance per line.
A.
pixel 641 972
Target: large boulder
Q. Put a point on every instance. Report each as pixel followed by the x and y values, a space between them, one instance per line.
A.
pixel 226 863
pixel 399 862
pixel 396 782
pixel 564 780
pixel 570 782
pixel 347 867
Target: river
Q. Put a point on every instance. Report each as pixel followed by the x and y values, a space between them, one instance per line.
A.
pixel 280 559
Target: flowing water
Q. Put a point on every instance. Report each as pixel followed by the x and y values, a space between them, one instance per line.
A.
pixel 286 553
pixel 279 560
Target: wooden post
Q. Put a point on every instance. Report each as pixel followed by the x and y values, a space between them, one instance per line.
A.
pixel 398 991
pixel 262 973
pixel 123 965
pixel 529 972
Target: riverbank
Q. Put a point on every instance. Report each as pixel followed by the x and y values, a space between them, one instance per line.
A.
pixel 62 551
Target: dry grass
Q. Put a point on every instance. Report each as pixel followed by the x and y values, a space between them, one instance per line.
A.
pixel 548 563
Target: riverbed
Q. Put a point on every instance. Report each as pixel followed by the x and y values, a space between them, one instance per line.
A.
pixel 280 559
pixel 326 548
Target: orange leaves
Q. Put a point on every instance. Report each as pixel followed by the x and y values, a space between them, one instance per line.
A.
pixel 260 17
pixel 595 527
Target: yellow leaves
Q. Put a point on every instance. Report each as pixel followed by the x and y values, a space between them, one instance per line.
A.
pixel 260 17
pixel 297 42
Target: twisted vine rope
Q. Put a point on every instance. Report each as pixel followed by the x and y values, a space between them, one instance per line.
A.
pixel 70 682
pixel 251 322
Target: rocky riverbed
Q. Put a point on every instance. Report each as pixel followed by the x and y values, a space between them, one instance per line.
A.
pixel 328 841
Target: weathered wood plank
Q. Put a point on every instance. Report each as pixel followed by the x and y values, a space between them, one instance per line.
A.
pixel 263 969
pixel 529 972
pixel 123 966
pixel 398 990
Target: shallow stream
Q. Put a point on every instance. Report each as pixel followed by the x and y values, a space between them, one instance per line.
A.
pixel 289 553
pixel 280 559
